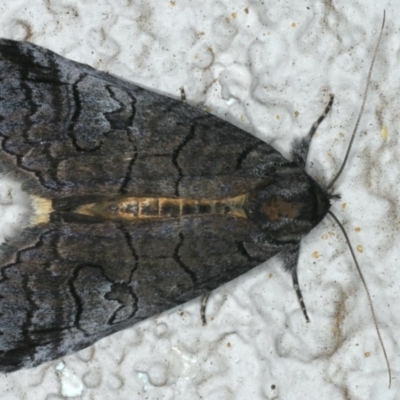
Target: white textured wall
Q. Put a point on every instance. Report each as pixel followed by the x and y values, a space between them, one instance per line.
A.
pixel 255 64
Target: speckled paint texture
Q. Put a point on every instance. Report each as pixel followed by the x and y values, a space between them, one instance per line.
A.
pixel 269 68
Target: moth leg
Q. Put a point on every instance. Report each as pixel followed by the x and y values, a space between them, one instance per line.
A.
pixel 301 146
pixel 203 305
pixel 299 294
pixel 290 260
pixel 183 94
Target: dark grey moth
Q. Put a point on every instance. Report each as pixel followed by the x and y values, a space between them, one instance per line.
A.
pixel 139 203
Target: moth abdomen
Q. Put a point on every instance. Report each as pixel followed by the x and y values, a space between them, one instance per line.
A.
pixel 141 208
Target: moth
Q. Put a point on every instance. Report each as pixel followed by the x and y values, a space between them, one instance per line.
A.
pixel 138 203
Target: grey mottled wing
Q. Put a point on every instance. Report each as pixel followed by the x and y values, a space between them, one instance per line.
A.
pixel 70 131
pixel 79 129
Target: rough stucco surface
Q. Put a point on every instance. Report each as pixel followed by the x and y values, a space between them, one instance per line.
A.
pixel 268 67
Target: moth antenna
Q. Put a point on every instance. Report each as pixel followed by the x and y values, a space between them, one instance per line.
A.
pixel 368 295
pixel 362 105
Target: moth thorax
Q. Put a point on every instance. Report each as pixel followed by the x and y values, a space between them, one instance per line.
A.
pixel 288 209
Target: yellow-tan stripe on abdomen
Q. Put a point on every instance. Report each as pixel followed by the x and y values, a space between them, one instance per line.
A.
pixel 132 208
